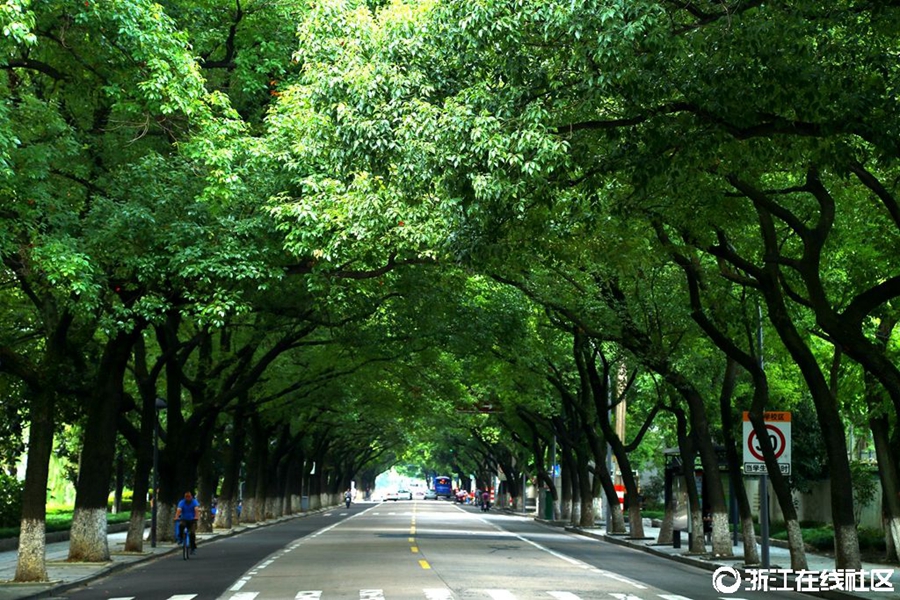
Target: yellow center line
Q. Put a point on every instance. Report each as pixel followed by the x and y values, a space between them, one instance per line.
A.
pixel 424 564
pixel 415 549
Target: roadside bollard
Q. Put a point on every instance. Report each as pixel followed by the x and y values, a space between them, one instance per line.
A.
pixel 676 538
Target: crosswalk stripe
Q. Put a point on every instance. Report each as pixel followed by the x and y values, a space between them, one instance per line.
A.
pixel 123 598
pixel 311 595
pixel 624 596
pixel 673 597
pixel 244 596
pixel 500 594
pixel 565 595
pixel 438 594
pixel 371 594
pixel 183 597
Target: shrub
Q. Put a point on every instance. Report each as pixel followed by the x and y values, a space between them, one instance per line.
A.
pixel 10 501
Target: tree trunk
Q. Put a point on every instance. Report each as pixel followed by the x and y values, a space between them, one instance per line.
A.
pixel 230 492
pixel 887 471
pixel 206 489
pixel 695 510
pixel 846 540
pixel 88 534
pixel 751 553
pixel 31 559
pixel 134 539
pixel 585 492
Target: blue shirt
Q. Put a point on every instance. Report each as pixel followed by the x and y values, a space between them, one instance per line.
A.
pixel 188 509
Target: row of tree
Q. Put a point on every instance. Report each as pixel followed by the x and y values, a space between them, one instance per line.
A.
pixel 323 233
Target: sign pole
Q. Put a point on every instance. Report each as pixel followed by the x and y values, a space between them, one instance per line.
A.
pixel 764 518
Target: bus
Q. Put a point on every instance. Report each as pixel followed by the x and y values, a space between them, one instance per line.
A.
pixel 442 486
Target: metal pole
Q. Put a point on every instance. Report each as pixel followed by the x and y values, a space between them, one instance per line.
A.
pixel 764 479
pixel 764 518
pixel 155 490
pixel 160 405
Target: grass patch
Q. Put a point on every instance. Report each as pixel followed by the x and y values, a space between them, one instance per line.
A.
pixel 821 536
pixel 60 519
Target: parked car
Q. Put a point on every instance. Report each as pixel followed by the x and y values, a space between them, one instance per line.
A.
pixel 390 495
pixel 430 495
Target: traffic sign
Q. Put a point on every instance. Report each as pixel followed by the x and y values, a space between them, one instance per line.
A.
pixel 778 428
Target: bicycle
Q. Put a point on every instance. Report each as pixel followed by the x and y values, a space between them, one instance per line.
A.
pixel 185 539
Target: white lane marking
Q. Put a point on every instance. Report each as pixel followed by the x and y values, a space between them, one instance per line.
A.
pixel 438 594
pixel 311 595
pixel 239 584
pixel 123 598
pixel 673 597
pixel 183 597
pixel 565 595
pixel 371 594
pixel 245 596
pixel 624 596
pixel 500 594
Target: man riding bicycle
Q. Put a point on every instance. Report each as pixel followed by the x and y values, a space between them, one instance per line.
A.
pixel 187 513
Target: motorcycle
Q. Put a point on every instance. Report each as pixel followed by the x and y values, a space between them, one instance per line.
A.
pixel 347 501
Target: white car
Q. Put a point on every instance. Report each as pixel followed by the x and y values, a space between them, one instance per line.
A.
pixel 390 495
pixel 418 494
pixel 404 495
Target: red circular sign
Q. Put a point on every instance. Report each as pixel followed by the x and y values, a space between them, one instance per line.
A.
pixel 778 443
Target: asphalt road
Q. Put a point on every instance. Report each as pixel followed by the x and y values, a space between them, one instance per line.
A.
pixel 431 550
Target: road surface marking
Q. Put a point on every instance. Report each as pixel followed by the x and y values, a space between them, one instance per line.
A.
pixel 415 549
pixel 438 594
pixel 424 564
pixel 566 595
pixel 624 596
pixel 371 594
pixel 245 596
pixel 500 594
pixel 311 595
pixel 239 584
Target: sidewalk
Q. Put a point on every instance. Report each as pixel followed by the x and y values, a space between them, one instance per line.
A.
pixel 65 576
pixel 779 558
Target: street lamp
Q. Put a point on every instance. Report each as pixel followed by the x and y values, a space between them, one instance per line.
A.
pixel 160 405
